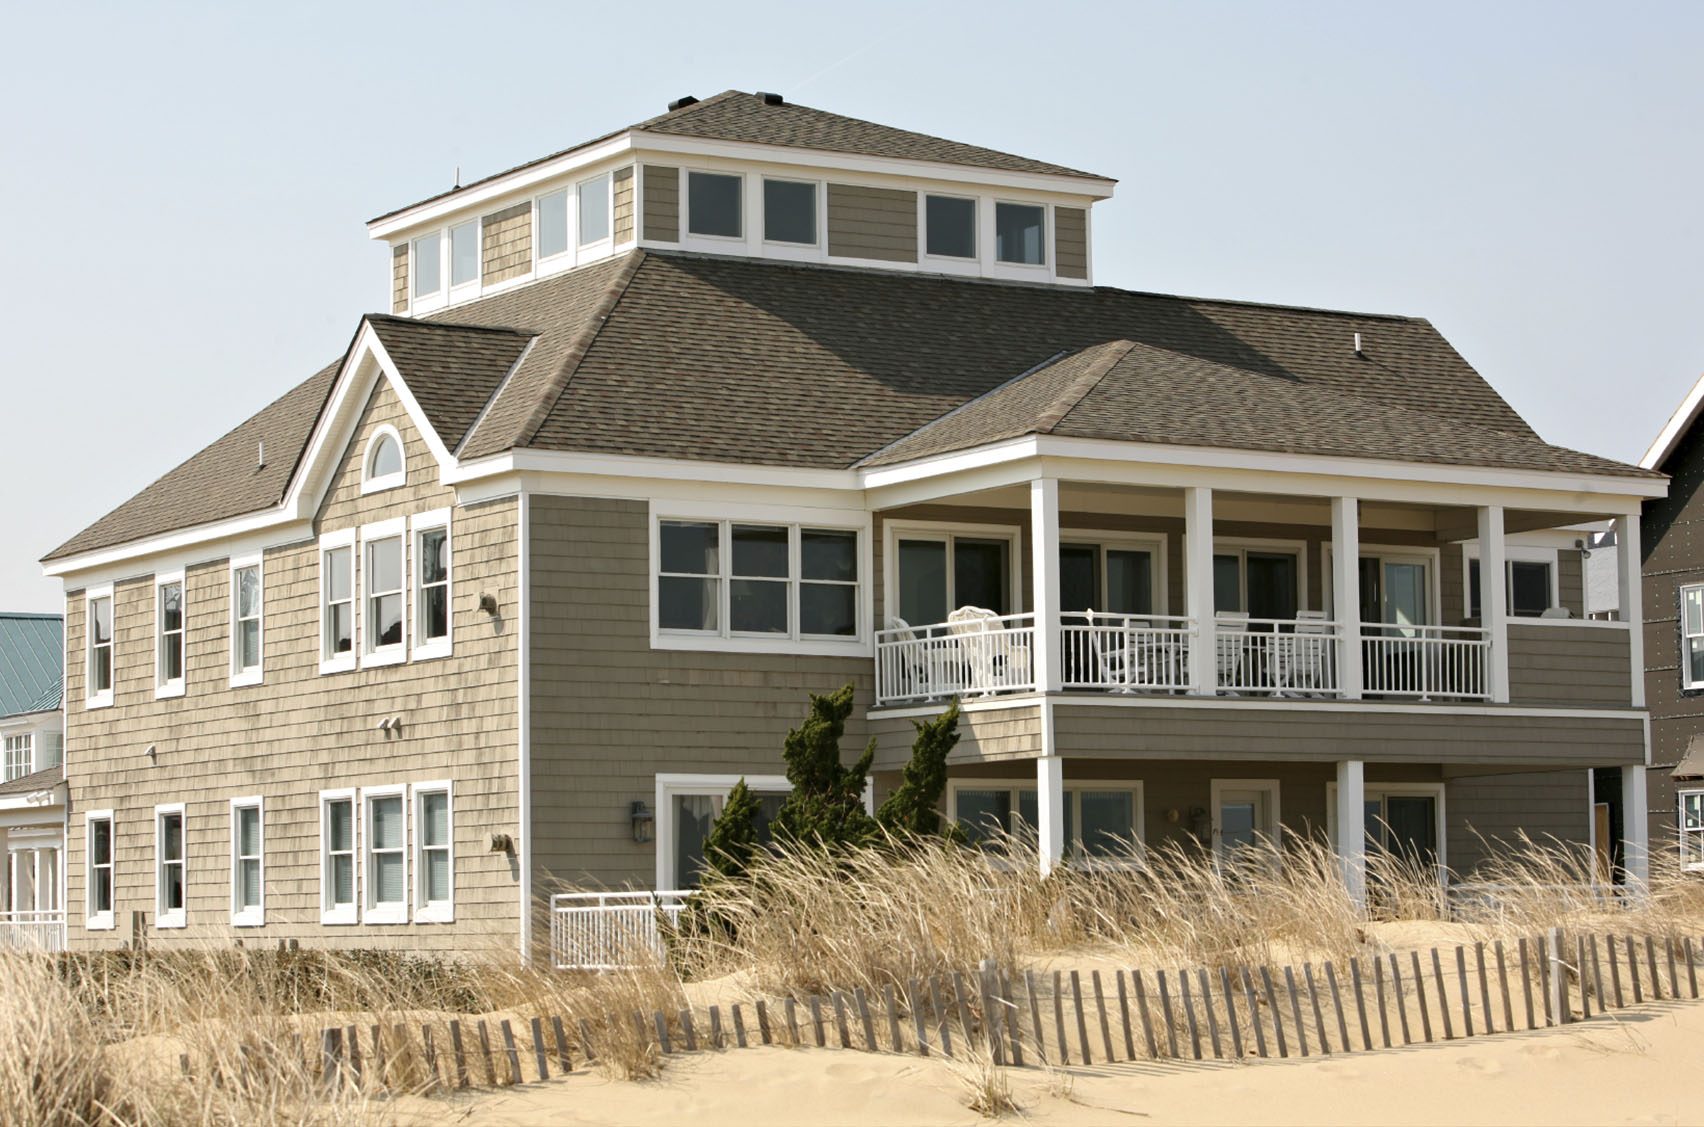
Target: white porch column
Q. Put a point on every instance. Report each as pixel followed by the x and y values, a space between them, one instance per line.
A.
pixel 1050 809
pixel 1198 588
pixel 1044 540
pixel 1635 826
pixel 1493 599
pixel 1629 565
pixel 1352 828
pixel 1346 593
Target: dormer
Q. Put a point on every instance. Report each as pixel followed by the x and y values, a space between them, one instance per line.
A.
pixel 754 176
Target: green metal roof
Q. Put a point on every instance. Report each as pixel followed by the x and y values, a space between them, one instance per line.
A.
pixel 32 662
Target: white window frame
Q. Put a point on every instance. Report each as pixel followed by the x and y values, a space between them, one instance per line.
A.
pixel 93 920
pixel 894 531
pixel 1105 540
pixel 176 917
pixel 1045 266
pixel 1217 787
pixel 340 663
pixel 596 248
pixel 714 242
pixel 174 687
pixel 241 916
pixel 373 483
pixel 671 786
pixel 102 698
pixel 1432 558
pixel 1680 826
pixel 459 291
pixel 19 756
pixel 1385 790
pixel 1523 553
pixel 424 648
pixel 564 258
pixel 1242 546
pixel 350 913
pixel 950 262
pixel 432 299
pixel 397 652
pixel 432 911
pixel 1686 681
pixel 723 639
pixel 371 911
pixel 239 675
pixel 1074 851
pixel 819 196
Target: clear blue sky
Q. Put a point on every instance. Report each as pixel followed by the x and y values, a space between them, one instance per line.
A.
pixel 187 185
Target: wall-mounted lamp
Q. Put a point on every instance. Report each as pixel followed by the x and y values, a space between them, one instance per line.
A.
pixel 488 603
pixel 642 818
pixel 151 753
pixel 502 843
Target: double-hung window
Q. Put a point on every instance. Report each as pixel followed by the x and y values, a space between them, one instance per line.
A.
pixel 758 580
pixel 1692 636
pixel 385 841
pixel 20 757
pixel 337 857
pixel 98 661
pixel 99 914
pixel 170 907
pixel 245 621
pixel 434 853
pixel 337 601
pixel 383 627
pixel 432 584
pixel 168 635
pixel 248 891
pixel 1692 829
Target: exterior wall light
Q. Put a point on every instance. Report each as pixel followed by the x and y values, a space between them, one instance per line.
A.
pixel 642 820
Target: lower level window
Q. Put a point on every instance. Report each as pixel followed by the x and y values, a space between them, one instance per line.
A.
pixel 1101 820
pixel 247 901
pixel 433 866
pixel 337 857
pixel 687 809
pixel 387 857
pixel 1245 815
pixel 169 887
pixel 1692 828
pixel 99 846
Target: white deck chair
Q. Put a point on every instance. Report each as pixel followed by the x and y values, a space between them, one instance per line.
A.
pixel 1231 650
pixel 930 665
pixel 1305 655
pixel 1120 662
pixel 993 660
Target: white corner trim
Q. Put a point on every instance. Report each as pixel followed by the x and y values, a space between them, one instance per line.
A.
pixel 523 712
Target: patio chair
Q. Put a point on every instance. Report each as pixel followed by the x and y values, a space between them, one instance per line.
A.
pixel 1115 649
pixel 993 660
pixel 1304 656
pixel 1232 650
pixel 930 665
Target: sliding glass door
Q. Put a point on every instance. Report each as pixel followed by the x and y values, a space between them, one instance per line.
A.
pixel 939 573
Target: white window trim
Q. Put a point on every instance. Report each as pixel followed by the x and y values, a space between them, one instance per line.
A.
pixel 397 652
pixel 433 299
pixel 1242 545
pixel 1118 541
pixel 1384 790
pixel 424 649
pixel 895 530
pixel 671 786
pixel 92 920
pixel 1686 681
pixel 464 291
pixel 349 913
pixel 372 912
pixel 819 194
pixel 179 917
pixel 102 698
pixel 949 263
pixel 1680 825
pixel 1073 788
pixel 692 240
pixel 1217 787
pixel 24 742
pixel 596 248
pixel 1399 553
pixel 240 676
pixel 174 687
pixel 725 641
pixel 1514 553
pixel 340 663
pixel 240 916
pixel 1045 266
pixel 564 258
pixel 434 912
pixel 374 483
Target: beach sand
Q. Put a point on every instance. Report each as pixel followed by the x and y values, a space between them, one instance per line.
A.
pixel 1644 1065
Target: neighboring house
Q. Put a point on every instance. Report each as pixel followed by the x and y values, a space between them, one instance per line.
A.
pixel 1672 529
pixel 1603 578
pixel 667 430
pixel 32 781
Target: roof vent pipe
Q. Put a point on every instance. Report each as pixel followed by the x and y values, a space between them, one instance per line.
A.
pixel 260 455
pixel 770 99
pixel 1358 351
pixel 682 102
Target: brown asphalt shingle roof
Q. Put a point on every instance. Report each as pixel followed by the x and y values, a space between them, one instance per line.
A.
pixel 734 115
pixel 691 357
pixel 37 780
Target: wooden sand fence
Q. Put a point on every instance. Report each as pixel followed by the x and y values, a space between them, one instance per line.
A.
pixel 1058 1018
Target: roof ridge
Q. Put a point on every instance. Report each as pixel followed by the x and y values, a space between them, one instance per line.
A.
pixel 687 110
pixel 496 393
pixel 577 351
pixel 967 404
pixel 1085 382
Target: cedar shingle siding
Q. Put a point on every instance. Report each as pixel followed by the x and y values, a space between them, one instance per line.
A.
pixel 623 216
pixel 507 244
pixel 399 278
pixel 662 203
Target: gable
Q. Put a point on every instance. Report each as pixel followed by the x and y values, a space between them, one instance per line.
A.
pixel 344 504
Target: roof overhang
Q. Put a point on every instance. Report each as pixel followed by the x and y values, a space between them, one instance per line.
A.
pixel 45 798
pixel 1679 423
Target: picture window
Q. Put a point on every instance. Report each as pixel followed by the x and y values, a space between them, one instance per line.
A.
pixel 713 204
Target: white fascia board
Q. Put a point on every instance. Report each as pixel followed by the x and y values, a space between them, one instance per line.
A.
pixel 631 466
pixel 185 548
pixel 521 179
pixel 54 795
pixel 1679 423
pixel 825 160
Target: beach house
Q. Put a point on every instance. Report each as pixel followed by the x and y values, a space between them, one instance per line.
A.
pixel 749 400
pixel 32 782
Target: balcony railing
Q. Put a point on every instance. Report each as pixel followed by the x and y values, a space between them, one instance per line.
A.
pixel 612 930
pixel 981 654
pixel 32 931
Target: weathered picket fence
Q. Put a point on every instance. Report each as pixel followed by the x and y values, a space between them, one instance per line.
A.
pixel 1054 1018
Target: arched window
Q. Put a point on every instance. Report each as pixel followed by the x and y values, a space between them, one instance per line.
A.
pixel 384 467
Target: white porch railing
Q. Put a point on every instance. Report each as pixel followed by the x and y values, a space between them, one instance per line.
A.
pixel 610 930
pixel 1425 662
pixel 1287 657
pixel 973 655
pixel 1126 653
pixel 32 931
